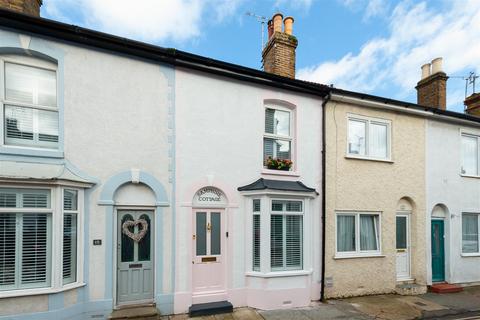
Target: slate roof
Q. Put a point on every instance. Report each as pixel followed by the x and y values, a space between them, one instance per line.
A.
pixel 282 185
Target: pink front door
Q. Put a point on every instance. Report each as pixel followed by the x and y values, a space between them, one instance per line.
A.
pixel 208 253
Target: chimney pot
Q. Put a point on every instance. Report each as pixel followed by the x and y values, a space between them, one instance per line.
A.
pixel 437 65
pixel 425 70
pixel 270 28
pixel 277 22
pixel 288 21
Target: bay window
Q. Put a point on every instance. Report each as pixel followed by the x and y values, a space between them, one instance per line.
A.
pixel 29 221
pixel 357 233
pixel 277 139
pixel 470 233
pixel 368 137
pixel 30 111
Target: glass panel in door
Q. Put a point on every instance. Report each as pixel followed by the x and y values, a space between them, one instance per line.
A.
pixel 403 252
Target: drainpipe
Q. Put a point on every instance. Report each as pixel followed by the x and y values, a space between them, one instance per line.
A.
pixel 324 130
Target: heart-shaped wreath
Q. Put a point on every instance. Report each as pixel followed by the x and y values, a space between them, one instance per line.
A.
pixel 135 236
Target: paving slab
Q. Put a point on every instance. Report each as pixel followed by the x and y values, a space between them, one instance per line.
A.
pixel 421 304
pixel 460 301
pixel 385 307
pixel 318 311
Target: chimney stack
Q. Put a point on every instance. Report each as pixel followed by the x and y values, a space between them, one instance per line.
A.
pixel 30 7
pixel 432 87
pixel 278 56
pixel 472 104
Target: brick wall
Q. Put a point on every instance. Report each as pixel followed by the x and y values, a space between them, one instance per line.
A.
pixel 31 7
pixel 432 91
pixel 279 55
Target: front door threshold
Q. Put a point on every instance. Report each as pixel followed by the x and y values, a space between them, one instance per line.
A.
pixel 136 312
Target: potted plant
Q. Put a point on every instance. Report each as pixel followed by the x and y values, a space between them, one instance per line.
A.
pixel 278 164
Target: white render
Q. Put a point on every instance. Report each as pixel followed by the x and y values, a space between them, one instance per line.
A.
pixel 219 132
pixel 449 189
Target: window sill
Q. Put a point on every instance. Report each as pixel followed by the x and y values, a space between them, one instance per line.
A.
pixel 38 291
pixel 30 152
pixel 280 173
pixel 356 256
pixel 348 156
pixel 278 274
pixel 469 176
pixel 475 254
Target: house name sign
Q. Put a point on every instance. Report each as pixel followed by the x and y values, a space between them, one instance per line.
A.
pixel 209 196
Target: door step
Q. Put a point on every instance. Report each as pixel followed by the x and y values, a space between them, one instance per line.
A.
pixel 206 309
pixel 445 288
pixel 410 289
pixel 137 312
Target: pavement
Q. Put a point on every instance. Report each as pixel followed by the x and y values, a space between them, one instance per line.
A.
pixel 463 305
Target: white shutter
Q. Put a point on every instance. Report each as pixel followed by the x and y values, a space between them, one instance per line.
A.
pixel 293 242
pixel 69 247
pixel 276 241
pixel 35 249
pixel 256 242
pixel 47 126
pixel 35 200
pixel 8 199
pixel 18 124
pixel 7 248
pixel 70 200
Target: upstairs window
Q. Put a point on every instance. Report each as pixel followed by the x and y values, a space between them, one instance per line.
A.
pixel 277 139
pixel 30 106
pixel 469 155
pixel 369 138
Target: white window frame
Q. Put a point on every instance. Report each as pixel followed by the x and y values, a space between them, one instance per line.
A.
pixel 469 135
pixel 290 138
pixel 368 121
pixel 56 243
pixel 358 252
pixel 474 254
pixel 34 63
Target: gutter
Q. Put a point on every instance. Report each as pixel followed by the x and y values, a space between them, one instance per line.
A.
pixel 324 206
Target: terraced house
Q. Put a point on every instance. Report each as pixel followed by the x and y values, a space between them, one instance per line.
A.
pixel 113 198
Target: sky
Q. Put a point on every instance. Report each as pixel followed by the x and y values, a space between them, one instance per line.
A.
pixel 370 46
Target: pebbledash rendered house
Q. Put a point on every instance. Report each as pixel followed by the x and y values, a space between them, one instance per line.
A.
pixel 134 177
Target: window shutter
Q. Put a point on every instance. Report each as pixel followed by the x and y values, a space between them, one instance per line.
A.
pixel 268 148
pixel 276 241
pixel 69 247
pixel 70 200
pixel 270 121
pixel 256 242
pixel 8 199
pixel 7 248
pixel 35 200
pixel 34 249
pixel 18 124
pixel 293 242
pixel 47 126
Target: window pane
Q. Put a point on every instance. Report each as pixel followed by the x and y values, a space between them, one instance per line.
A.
pixel 256 242
pixel 34 249
pixel 18 125
pixel 127 243
pixel 7 248
pixel 277 205
pixel 368 232
pixel 47 128
pixel 345 233
pixel 294 206
pixel 69 248
pixel 277 122
pixel 378 141
pixel 8 199
pixel 215 233
pixel 294 239
pixel 276 149
pixel 35 200
pixel 356 137
pixel 470 233
pixel 256 205
pixel 201 237
pixel 30 85
pixel 70 200
pixel 401 232
pixel 276 241
pixel 144 243
pixel 469 155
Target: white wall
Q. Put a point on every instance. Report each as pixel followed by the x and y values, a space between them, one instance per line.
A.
pixel 219 133
pixel 459 194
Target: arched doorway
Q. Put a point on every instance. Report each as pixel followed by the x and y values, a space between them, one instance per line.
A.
pixel 403 239
pixel 209 245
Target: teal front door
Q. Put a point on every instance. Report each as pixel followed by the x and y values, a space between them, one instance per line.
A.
pixel 438 251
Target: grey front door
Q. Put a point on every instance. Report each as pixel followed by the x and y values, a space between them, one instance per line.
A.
pixel 135 243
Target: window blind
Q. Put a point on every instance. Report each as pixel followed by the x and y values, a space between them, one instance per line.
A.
pixel 69 247
pixel 276 241
pixel 469 155
pixel 470 236
pixel 7 249
pixel 256 242
pixel 34 249
pixel 293 242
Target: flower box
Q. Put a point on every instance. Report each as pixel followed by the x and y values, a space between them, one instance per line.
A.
pixel 278 164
